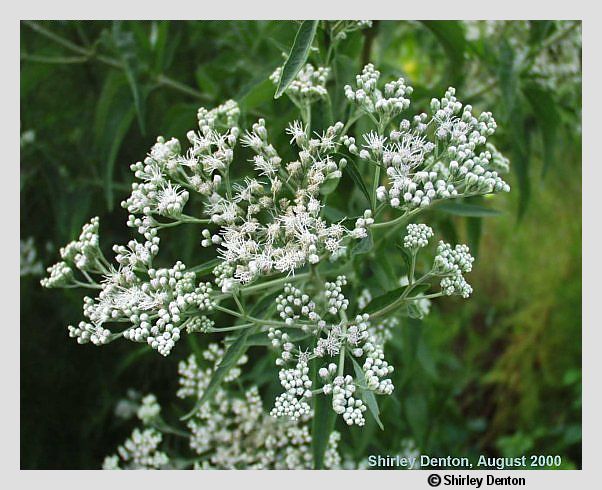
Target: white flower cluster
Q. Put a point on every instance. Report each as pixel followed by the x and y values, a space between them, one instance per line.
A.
pixel 30 265
pixel 357 337
pixel 292 304
pixel 308 86
pixel 294 233
pixel 336 299
pixel 149 409
pixel 297 387
pixel 139 452
pixel 417 236
pixel 271 220
pixel 343 402
pixel 83 254
pixel 157 302
pixel 453 263
pixel 385 104
pixel 375 369
pixel 229 431
pixel 86 332
pixel 430 157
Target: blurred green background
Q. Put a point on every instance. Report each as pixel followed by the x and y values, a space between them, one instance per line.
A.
pixel 499 374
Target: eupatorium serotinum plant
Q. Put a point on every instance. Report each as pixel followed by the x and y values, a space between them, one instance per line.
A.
pixel 282 265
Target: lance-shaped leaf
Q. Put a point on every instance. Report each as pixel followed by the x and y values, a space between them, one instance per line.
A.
pixel 297 55
pixel 367 395
pixel 233 353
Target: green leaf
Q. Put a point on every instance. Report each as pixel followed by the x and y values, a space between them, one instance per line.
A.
pixel 390 297
pixel 450 34
pixel 473 231
pixel 204 268
pixel 416 410
pixel 297 55
pixel 322 426
pixel 538 31
pixel 415 312
pixel 333 214
pixel 124 45
pixel 364 245
pixel 548 119
pixel 459 208
pixel 256 92
pixel 357 178
pixel 113 119
pixel 234 352
pixel 508 77
pixel 386 299
pixel 329 186
pixel 367 395
pixel 425 358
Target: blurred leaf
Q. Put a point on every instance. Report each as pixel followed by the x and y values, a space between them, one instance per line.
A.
pixel 233 353
pixel 333 214
pixel 113 119
pixel 205 268
pixel 124 45
pixel 425 358
pixel 417 413
pixel 357 178
pixel 450 34
pixel 205 82
pixel 254 96
pixel 473 232
pixel 386 299
pixel 459 208
pixel 363 246
pixel 329 186
pixel 367 395
pixel 507 77
pixel 539 30
pixel 548 119
pixel 298 55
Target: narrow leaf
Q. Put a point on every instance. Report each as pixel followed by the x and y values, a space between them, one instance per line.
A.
pixel 459 208
pixel 233 353
pixel 357 178
pixel 205 268
pixel 113 118
pixel 548 119
pixel 322 426
pixel 297 55
pixel 367 395
pixel 363 246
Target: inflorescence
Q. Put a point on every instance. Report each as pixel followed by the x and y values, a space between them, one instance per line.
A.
pixel 270 233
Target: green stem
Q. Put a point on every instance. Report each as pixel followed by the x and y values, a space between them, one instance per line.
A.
pixel 232 328
pixel 402 299
pixel 341 367
pixel 412 268
pixel 375 185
